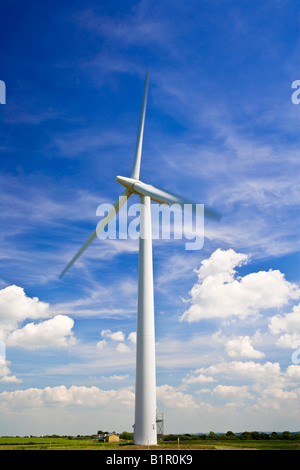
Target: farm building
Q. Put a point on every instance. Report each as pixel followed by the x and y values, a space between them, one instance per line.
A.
pixel 113 437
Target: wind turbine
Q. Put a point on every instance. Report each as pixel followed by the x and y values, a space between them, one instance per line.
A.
pixel 145 387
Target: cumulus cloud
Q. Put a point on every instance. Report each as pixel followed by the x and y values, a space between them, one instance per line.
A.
pixel 287 326
pixel 6 375
pixel 220 293
pixel 132 337
pixel 116 336
pixel 16 306
pixel 232 391
pixel 173 398
pixel 241 346
pixel 201 378
pixel 249 370
pixel 288 322
pixel 2 352
pixel 293 372
pixel 262 385
pixel 56 332
pixel 101 344
pixel 287 340
pixel 61 395
pixel 115 377
pixel 123 348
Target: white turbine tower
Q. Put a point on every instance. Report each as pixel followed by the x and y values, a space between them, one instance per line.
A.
pixel 145 388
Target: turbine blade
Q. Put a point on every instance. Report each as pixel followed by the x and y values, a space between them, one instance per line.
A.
pixel 139 142
pixel 164 197
pixel 100 227
pixel 82 249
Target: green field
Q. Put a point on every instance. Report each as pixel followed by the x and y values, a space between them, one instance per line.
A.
pixel 64 443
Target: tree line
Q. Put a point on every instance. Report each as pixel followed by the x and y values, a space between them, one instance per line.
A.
pixel 229 435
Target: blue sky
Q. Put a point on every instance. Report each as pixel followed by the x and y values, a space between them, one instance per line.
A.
pixel 221 128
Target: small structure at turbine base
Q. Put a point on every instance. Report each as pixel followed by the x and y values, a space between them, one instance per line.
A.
pixel 160 425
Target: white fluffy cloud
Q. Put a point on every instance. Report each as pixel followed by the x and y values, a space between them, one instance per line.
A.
pixel 56 332
pixel 198 378
pixel 293 372
pixel 232 392
pixel 123 348
pixel 287 326
pixel 220 293
pixel 101 344
pixel 256 387
pixel 241 346
pixel 115 377
pixel 61 395
pixel 173 398
pixel 132 337
pixel 286 323
pixel 120 338
pixel 116 336
pixel 16 306
pixel 249 370
pixel 5 374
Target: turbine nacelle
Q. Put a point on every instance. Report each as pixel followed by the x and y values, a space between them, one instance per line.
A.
pixel 143 189
pixel 161 196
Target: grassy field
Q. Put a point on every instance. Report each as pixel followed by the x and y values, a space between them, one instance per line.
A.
pixel 61 443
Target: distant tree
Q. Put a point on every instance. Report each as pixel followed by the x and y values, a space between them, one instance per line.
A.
pixel 255 435
pixel 265 436
pixel 246 435
pixel 170 437
pixel 185 437
pixel 127 436
pixel 102 432
pixel 212 435
pixel 231 435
